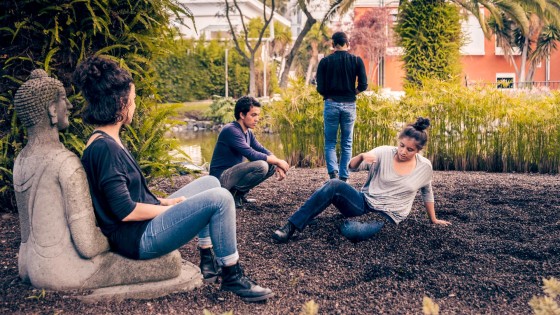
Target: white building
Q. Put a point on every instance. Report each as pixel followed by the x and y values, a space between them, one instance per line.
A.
pixel 318 9
pixel 210 19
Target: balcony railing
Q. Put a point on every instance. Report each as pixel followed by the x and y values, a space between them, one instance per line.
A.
pixel 508 84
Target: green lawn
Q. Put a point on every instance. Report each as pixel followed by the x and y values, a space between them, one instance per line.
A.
pixel 197 107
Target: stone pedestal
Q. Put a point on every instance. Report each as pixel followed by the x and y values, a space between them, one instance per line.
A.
pixel 189 279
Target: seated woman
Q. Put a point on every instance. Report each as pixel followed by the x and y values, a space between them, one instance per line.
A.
pixel 395 176
pixel 137 224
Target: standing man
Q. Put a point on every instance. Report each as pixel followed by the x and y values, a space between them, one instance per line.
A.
pixel 336 82
pixel 235 142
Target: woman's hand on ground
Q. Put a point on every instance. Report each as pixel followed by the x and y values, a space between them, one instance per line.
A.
pixel 171 201
pixel 441 222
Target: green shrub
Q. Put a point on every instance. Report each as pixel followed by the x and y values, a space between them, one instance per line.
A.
pixel 430 33
pixel 56 36
pixel 299 119
pixel 194 70
pixel 221 109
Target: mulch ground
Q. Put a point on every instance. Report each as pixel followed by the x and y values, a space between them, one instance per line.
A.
pixel 504 239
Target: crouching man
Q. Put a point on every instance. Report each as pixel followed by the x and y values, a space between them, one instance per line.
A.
pixel 237 142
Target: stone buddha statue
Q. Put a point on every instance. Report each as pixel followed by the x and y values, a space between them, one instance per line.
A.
pixel 61 246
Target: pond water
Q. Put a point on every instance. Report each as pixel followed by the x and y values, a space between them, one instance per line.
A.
pixel 199 145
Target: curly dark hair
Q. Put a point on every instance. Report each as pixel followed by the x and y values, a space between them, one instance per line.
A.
pixel 244 105
pixel 417 131
pixel 106 88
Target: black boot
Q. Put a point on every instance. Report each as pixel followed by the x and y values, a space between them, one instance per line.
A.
pixel 240 199
pixel 284 234
pixel 208 265
pixel 234 280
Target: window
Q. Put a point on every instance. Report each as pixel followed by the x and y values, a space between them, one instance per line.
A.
pixel 474 37
pixel 500 50
pixel 393 15
pixel 505 80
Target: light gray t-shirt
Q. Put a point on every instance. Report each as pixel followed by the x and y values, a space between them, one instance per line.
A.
pixel 391 193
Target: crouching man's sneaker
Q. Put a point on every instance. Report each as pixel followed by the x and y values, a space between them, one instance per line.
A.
pixel 234 280
pixel 241 200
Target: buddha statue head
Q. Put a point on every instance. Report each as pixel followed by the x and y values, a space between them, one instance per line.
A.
pixel 40 97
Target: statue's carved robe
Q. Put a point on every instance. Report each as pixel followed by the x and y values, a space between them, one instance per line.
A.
pixel 61 246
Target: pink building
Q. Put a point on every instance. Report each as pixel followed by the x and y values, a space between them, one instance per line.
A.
pixel 483 62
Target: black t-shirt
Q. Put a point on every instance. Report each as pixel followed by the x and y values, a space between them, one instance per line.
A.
pixel 116 184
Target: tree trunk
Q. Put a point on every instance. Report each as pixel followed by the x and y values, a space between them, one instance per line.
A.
pixel 292 55
pixel 309 70
pixel 531 73
pixel 312 61
pixel 524 54
pixel 252 73
pixel 370 71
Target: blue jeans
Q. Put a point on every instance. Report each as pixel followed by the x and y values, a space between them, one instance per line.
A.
pixel 245 176
pixel 349 201
pixel 209 211
pixel 335 114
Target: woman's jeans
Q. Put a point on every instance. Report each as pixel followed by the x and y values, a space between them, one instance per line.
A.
pixel 349 201
pixel 335 114
pixel 209 211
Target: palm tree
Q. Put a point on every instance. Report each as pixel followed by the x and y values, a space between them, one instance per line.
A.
pixel 546 43
pixel 316 36
pixel 340 7
pixel 280 43
pixel 534 42
pixel 517 24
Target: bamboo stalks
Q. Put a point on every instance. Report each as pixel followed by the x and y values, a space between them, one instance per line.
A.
pixel 473 129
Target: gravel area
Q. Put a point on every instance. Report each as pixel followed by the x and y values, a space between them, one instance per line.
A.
pixel 504 239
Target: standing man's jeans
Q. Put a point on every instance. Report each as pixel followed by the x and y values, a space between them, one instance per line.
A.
pixel 245 176
pixel 209 211
pixel 335 114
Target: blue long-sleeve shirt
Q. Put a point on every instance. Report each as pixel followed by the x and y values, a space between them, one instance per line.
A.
pixel 337 74
pixel 232 146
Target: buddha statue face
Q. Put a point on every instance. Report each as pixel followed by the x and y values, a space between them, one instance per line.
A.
pixel 61 107
pixel 40 96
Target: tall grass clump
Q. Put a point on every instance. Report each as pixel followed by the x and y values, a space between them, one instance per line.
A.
pixel 485 129
pixel 473 129
pixel 299 119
